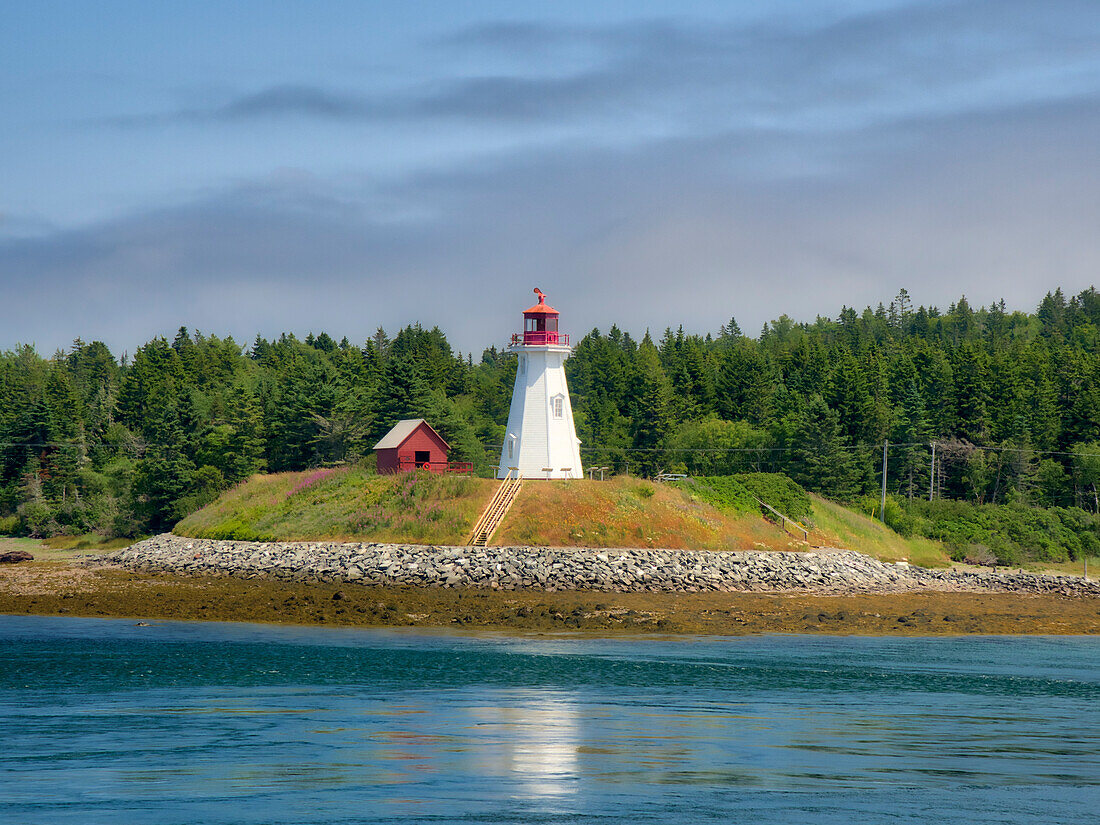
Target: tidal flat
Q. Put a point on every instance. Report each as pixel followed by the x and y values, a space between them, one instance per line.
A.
pixel 59 588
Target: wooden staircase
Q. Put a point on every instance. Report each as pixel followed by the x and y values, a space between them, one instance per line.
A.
pixel 495 510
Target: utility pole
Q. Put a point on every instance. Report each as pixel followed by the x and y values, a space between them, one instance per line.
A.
pixel 932 477
pixel 882 512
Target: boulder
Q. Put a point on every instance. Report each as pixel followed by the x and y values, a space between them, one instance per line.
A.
pixel 15 556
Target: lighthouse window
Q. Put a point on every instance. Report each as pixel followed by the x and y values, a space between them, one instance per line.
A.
pixel 512 447
pixel 523 365
pixel 558 406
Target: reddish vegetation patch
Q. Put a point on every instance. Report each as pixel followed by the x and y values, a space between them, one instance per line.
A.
pixel 309 479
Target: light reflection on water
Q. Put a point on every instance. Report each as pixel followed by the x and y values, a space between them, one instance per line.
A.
pixel 103 723
pixel 535 744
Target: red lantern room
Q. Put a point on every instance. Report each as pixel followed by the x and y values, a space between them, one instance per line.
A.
pixel 540 325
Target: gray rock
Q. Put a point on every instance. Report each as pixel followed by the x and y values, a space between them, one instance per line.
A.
pixel 823 570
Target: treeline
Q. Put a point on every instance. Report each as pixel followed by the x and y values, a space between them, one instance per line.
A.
pixel 1011 400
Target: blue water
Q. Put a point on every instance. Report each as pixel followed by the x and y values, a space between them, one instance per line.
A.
pixel 105 722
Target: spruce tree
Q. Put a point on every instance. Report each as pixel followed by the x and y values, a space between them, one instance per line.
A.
pixel 820 459
pixel 651 402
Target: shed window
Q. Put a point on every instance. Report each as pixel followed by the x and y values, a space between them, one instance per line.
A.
pixel 558 406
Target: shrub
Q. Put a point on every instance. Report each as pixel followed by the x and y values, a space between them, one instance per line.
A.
pixel 721 491
pixel 712 447
pixel 897 518
pixel 740 493
pixel 978 554
pixel 207 483
pixel 781 492
pixel 1012 533
pixel 36 520
pixel 233 530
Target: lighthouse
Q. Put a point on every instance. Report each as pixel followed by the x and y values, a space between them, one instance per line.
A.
pixel 540 440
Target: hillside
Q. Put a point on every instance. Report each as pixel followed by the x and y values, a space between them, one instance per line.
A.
pixel 353 505
pixel 630 512
pixel 841 527
pixel 344 504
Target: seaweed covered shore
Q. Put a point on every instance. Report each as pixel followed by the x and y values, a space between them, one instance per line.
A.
pixel 67 589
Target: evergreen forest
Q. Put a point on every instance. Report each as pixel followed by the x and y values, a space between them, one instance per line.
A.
pixel 1008 401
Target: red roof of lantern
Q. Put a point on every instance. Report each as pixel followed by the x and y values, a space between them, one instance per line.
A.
pixel 541 308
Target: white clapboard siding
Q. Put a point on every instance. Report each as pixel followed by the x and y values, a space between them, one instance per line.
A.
pixel 535 438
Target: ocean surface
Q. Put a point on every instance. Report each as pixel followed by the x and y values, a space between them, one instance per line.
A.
pixel 102 721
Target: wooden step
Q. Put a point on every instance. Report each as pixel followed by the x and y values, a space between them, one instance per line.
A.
pixel 495 510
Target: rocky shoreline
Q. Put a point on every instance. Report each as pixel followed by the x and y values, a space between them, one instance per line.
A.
pixel 818 571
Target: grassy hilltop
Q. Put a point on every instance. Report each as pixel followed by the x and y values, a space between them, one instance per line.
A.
pixel 354 505
pixel 344 504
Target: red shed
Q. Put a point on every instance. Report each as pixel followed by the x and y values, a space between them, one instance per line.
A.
pixel 412 444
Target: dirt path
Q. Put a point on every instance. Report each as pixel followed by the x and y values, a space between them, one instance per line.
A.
pixel 62 588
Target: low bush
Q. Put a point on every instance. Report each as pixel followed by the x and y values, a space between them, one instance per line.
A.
pixel 781 492
pixel 897 518
pixel 233 530
pixel 723 492
pixel 742 491
pixel 1011 533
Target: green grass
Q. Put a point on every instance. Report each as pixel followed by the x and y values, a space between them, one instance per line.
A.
pixel 9 544
pixel 344 504
pixel 88 541
pixel 1067 568
pixel 852 530
pixel 64 548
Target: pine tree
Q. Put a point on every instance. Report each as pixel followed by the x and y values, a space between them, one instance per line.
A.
pixel 972 382
pixel 651 402
pixel 744 384
pixel 729 332
pixel 163 475
pixel 850 396
pixel 1052 314
pixel 821 459
pixel 404 394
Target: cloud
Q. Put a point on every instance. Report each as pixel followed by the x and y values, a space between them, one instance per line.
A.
pixel 685 230
pixel 682 76
pixel 306 101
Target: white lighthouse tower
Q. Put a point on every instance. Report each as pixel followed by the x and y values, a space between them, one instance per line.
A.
pixel 540 441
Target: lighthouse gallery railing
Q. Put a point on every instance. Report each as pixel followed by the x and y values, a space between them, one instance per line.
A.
pixel 540 338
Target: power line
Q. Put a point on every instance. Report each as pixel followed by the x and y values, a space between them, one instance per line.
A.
pixel 845 448
pixel 863 447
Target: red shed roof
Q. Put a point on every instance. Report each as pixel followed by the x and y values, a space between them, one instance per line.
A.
pixel 541 308
pixel 402 430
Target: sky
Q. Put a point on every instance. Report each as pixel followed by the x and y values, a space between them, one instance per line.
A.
pixel 263 167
